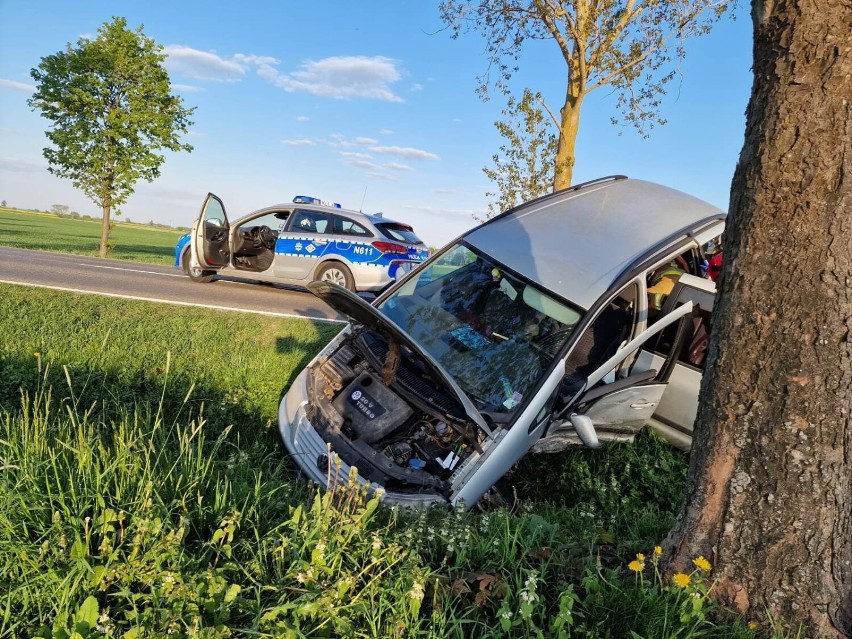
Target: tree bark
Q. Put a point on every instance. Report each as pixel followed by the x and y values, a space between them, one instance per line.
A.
pixel 104 248
pixel 769 492
pixel 563 168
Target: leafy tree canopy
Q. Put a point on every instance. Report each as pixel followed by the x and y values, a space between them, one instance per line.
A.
pixel 523 169
pixel 112 113
pixel 628 45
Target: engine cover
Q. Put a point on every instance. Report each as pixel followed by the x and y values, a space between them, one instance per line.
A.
pixel 372 408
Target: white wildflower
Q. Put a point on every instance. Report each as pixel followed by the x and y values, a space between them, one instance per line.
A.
pixel 416 591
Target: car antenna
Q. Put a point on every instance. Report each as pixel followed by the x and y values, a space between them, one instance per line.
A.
pixel 361 210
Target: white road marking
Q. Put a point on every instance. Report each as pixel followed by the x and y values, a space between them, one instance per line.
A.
pixel 133 270
pixel 173 302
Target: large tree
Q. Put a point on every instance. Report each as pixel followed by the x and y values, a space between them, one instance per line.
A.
pixel 110 104
pixel 627 45
pixel 769 493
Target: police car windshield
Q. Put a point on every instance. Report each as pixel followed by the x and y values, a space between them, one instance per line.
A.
pixel 398 232
pixel 493 332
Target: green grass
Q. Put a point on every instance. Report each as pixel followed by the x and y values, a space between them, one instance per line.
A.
pixel 49 232
pixel 145 493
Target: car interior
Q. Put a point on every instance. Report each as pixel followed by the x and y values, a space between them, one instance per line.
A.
pixel 694 348
pixel 254 241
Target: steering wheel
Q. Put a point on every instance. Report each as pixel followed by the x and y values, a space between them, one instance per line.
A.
pixel 267 236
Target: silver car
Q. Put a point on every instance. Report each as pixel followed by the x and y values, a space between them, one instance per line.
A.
pixel 550 325
pixel 298 242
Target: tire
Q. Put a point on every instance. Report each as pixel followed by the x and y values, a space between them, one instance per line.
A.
pixel 337 273
pixel 195 272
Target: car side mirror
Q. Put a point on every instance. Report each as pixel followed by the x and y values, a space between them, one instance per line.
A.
pixel 585 429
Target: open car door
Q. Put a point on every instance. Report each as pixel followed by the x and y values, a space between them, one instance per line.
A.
pixel 210 236
pixel 617 410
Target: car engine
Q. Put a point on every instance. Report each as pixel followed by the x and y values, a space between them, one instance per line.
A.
pixel 392 421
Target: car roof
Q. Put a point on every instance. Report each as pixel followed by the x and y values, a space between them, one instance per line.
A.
pixel 577 242
pixel 358 215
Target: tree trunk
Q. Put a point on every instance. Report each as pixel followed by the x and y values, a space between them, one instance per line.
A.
pixel 569 126
pixel 104 249
pixel 769 493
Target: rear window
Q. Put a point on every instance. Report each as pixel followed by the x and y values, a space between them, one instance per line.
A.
pixel 398 232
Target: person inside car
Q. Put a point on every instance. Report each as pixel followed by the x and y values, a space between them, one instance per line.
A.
pixel 662 283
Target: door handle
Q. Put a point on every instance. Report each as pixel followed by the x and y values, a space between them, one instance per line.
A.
pixel 641 405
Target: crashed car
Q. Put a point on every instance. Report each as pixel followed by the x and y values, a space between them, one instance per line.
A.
pixel 544 327
pixel 295 243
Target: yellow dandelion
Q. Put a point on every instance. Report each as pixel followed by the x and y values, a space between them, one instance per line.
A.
pixel 702 564
pixel 681 580
pixel 752 625
pixel 658 551
pixel 636 566
pixel 640 557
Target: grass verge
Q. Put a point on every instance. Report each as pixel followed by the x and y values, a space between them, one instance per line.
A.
pixel 145 493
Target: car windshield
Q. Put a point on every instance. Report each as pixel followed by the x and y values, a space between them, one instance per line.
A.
pixel 493 332
pixel 398 232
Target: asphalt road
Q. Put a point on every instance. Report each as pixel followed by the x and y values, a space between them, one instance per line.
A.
pixel 165 284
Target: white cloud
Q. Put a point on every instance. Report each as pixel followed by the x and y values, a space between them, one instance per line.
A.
pixel 396 166
pixel 254 60
pixel 302 118
pixel 339 141
pixel 23 87
pixel 360 161
pixel 388 177
pixel 340 77
pixel 202 65
pixel 302 142
pixel 385 132
pixel 205 65
pixel 405 152
pixel 416 87
pixel 352 155
pixel 188 88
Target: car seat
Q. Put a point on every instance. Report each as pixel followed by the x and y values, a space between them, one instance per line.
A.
pixel 596 345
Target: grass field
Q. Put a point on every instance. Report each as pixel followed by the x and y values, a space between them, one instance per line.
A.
pixel 48 232
pixel 145 493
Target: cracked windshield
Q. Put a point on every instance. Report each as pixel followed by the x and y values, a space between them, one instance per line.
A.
pixel 494 333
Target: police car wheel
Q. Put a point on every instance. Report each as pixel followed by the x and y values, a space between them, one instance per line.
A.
pixel 337 273
pixel 195 272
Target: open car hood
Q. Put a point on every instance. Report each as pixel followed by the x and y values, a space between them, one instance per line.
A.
pixel 359 311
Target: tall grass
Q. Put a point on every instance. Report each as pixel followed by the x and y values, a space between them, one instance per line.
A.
pixel 144 492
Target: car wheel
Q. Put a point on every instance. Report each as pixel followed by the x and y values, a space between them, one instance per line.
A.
pixel 195 272
pixel 337 273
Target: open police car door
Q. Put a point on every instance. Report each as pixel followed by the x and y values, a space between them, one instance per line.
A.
pixel 210 237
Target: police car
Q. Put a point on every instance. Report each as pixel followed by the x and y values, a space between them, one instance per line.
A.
pixel 297 242
pixel 547 326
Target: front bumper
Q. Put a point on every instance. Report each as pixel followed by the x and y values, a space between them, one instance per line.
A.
pixel 306 447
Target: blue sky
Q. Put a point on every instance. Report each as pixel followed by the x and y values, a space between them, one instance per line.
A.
pixel 367 103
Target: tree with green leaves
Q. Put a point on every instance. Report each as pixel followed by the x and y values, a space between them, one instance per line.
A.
pixel 630 46
pixel 112 112
pixel 523 169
